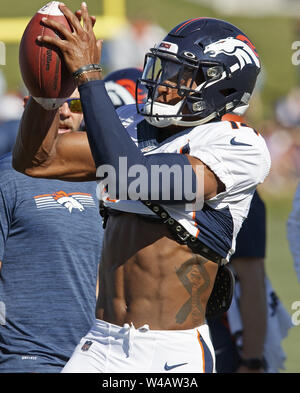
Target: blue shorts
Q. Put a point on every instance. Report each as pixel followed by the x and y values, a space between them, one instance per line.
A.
pixel 226 351
pixel 251 240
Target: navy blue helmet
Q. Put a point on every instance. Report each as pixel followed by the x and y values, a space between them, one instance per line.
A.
pixel 212 65
pixel 121 87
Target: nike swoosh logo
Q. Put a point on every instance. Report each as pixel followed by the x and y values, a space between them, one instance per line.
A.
pixel 234 142
pixel 168 368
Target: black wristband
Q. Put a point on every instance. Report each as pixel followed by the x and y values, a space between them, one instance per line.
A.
pixel 254 363
pixel 88 67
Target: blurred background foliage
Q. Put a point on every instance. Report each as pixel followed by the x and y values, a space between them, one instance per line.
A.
pixel 272 36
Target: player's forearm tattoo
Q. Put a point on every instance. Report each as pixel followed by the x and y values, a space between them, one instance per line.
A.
pixel 196 280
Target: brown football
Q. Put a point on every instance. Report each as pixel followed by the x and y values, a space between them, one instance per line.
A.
pixel 42 67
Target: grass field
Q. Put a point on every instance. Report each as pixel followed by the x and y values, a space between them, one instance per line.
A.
pixel 273 37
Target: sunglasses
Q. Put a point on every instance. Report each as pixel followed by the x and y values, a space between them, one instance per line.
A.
pixel 74 105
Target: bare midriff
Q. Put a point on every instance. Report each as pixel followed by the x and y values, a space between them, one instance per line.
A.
pixel 146 277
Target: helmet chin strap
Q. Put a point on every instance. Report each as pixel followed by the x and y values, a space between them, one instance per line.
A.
pixel 162 122
pixel 165 122
pixel 240 110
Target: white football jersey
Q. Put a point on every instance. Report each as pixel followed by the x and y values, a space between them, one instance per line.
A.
pixel 236 153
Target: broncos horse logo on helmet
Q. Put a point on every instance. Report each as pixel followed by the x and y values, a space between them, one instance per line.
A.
pixel 233 47
pixel 212 64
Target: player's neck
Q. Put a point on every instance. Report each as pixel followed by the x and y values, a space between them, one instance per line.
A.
pixel 166 132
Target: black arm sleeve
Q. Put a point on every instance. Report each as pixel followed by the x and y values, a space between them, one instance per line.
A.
pixel 109 141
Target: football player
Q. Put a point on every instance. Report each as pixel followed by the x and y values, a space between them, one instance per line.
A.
pixel 164 246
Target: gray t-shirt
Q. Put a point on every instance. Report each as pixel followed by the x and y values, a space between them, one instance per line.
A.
pixel 50 244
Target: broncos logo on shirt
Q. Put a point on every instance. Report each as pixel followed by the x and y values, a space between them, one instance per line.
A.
pixel 70 201
pixel 67 201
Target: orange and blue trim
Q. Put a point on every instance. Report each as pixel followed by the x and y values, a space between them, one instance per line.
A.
pixel 207 358
pixel 187 23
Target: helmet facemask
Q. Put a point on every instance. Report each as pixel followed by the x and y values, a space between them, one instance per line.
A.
pixel 186 78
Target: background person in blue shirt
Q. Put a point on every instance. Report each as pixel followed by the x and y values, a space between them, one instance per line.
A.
pixel 248 264
pixel 50 244
pixel 11 109
pixel 247 339
pixel 80 244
